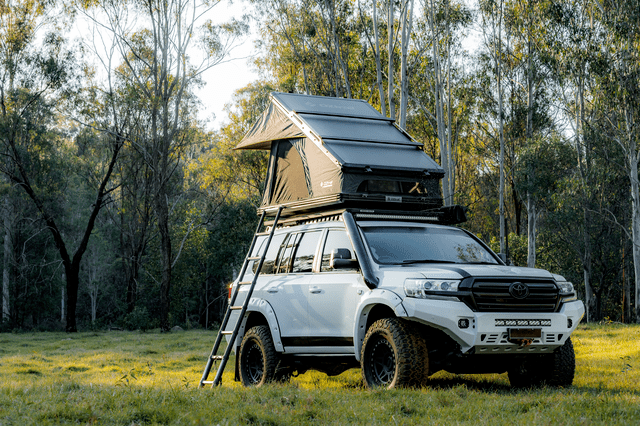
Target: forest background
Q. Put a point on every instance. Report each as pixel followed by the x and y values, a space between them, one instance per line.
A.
pixel 121 209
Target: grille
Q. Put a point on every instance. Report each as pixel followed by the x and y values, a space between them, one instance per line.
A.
pixel 494 296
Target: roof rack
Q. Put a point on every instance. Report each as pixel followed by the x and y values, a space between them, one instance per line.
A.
pixel 449 215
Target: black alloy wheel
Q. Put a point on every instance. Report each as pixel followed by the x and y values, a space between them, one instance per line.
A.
pixel 394 354
pixel 258 357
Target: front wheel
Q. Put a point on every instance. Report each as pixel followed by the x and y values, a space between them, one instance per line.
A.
pixel 393 355
pixel 258 357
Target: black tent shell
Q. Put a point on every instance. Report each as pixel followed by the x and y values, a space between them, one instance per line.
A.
pixel 333 152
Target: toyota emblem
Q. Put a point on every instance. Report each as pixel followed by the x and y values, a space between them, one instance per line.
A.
pixel 519 290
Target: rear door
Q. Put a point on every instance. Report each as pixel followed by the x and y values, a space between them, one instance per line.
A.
pixel 286 292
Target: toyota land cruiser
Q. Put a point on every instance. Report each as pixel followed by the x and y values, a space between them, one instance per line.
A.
pixel 401 298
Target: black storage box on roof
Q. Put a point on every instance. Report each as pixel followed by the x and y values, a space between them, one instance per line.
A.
pixel 331 153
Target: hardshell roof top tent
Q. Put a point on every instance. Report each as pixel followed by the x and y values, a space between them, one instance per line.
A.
pixel 335 152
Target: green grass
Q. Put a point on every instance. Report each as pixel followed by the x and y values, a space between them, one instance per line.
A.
pixel 133 378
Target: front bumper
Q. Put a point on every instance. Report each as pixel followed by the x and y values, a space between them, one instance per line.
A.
pixel 487 332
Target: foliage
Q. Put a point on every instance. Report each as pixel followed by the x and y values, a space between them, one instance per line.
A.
pixel 168 229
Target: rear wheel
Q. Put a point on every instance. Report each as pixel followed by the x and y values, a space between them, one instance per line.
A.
pixel 393 355
pixel 557 369
pixel 564 366
pixel 258 357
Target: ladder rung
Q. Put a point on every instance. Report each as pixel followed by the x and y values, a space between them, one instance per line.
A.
pixel 254 258
pixel 245 282
pixel 226 332
pixel 217 357
pixel 207 382
pixel 261 234
pixel 235 308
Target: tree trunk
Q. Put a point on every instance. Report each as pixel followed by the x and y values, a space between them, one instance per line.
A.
pixel 635 224
pixel 407 23
pixel 72 271
pixel 390 21
pixel 162 216
pixel 376 35
pixel 532 218
pixel 498 63
pixel 532 214
pixel 7 261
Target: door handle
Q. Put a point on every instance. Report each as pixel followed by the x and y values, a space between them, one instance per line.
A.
pixel 315 290
pixel 272 290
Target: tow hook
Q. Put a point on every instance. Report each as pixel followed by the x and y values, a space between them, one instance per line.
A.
pixel 523 343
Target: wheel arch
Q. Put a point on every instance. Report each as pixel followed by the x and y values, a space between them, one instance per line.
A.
pixel 385 304
pixel 260 312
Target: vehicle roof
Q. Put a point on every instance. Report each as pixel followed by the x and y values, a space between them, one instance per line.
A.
pixel 361 223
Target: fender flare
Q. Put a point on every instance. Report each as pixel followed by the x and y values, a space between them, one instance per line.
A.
pixel 376 297
pixel 263 307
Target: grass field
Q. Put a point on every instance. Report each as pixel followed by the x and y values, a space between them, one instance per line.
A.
pixel 133 378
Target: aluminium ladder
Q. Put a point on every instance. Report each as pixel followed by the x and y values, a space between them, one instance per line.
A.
pixel 242 308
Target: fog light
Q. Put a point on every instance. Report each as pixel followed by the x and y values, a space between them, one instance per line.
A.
pixel 569 323
pixel 463 323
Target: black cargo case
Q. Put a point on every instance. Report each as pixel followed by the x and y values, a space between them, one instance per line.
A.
pixel 334 153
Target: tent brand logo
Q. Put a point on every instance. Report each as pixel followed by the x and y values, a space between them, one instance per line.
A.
pixel 327 184
pixel 391 199
pixel 519 290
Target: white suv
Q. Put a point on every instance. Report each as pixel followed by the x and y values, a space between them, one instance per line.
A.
pixel 402 299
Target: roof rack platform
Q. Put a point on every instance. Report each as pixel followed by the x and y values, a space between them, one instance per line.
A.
pixel 449 215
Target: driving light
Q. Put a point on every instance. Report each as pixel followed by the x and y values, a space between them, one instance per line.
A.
pixel 416 287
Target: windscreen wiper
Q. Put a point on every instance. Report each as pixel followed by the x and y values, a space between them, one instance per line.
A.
pixel 410 261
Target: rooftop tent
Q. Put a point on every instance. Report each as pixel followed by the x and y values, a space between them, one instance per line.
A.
pixel 335 152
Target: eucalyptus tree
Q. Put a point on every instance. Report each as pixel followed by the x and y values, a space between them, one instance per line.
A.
pixel 492 15
pixel 574 41
pixel 38 75
pixel 157 42
pixel 319 39
pixel 618 101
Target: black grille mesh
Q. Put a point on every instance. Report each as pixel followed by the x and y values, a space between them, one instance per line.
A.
pixel 493 296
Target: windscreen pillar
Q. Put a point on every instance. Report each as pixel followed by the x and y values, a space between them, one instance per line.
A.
pixel 370 279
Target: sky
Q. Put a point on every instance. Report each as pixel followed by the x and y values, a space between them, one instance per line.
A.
pixel 225 78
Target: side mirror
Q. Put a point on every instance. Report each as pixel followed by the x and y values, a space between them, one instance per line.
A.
pixel 341 259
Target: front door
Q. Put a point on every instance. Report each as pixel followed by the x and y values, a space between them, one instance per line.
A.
pixel 334 296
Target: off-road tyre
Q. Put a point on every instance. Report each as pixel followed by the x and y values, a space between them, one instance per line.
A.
pixel 528 372
pixel 394 355
pixel 557 369
pixel 259 361
pixel 563 366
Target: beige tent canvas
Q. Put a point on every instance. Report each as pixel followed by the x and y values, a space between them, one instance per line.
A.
pixel 335 153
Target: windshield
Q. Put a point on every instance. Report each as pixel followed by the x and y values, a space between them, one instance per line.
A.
pixel 424 244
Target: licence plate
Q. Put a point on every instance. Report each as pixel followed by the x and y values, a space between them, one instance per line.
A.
pixel 524 333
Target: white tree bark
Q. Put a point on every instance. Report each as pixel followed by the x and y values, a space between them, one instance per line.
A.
pixel 390 79
pixel 376 35
pixel 438 93
pixel 406 18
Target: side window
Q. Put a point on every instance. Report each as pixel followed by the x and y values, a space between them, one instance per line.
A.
pixel 257 249
pixel 284 259
pixel 303 261
pixel 335 239
pixel 269 262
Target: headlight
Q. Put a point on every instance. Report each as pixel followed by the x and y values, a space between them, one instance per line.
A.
pixel 566 291
pixel 419 287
